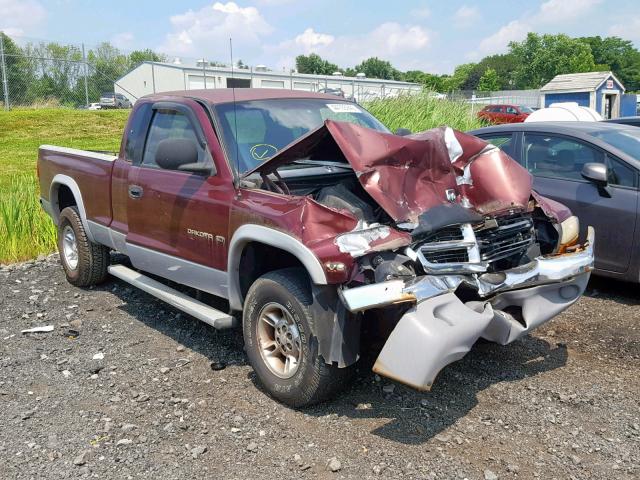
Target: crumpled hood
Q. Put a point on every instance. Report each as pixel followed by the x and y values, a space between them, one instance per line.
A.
pixel 409 175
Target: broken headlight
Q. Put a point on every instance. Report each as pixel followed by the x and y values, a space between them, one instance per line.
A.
pixel 569 231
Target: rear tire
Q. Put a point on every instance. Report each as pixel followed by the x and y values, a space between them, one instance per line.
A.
pixel 277 325
pixel 85 263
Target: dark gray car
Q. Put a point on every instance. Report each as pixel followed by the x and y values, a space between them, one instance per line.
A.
pixel 591 167
pixel 635 121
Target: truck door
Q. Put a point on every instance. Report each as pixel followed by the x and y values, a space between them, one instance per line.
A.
pixel 178 220
pixel 130 153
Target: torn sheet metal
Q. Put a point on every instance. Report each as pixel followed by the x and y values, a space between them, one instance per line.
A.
pixel 408 175
pixel 552 209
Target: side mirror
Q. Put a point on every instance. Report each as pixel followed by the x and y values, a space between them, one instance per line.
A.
pixel 403 132
pixel 180 154
pixel 596 173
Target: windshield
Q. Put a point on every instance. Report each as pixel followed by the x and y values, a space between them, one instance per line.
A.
pixel 263 127
pixel 525 109
pixel 627 140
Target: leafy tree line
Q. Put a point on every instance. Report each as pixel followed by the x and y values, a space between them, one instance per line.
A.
pixel 528 64
pixel 50 71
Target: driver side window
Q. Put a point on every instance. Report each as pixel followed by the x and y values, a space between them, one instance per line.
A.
pixel 166 124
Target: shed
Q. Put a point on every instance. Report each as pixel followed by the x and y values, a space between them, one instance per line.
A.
pixel 601 91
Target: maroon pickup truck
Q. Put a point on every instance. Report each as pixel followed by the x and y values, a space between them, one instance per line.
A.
pixel 320 229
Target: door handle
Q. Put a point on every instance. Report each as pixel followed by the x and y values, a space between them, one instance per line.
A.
pixel 135 191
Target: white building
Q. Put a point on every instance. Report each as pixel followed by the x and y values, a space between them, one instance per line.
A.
pixel 153 77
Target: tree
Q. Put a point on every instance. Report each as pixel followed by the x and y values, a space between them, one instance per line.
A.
pixel 375 68
pixel 489 81
pixel 137 57
pixel 108 64
pixel 459 77
pixel 542 57
pixel 19 73
pixel 617 55
pixel 503 64
pixel 314 64
pixel 428 80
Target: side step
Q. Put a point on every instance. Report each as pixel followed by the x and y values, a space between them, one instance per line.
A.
pixel 179 300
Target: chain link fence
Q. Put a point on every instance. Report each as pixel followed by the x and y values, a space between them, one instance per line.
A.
pixel 37 73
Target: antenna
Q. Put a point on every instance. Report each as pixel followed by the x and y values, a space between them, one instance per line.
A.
pixel 235 112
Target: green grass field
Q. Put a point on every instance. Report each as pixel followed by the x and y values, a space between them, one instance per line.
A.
pixel 25 231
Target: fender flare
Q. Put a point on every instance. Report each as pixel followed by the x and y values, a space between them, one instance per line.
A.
pixel 275 238
pixel 69 182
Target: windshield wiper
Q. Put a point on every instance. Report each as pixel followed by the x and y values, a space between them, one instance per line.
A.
pixel 323 163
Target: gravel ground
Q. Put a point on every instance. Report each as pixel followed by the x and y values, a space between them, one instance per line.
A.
pixel 123 387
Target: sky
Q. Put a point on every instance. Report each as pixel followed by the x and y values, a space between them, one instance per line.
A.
pixel 432 36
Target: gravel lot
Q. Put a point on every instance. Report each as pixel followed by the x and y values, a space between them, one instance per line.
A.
pixel 123 387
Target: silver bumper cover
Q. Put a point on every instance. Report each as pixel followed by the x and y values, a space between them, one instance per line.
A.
pixel 440 328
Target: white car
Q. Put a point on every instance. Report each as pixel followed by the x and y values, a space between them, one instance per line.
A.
pixel 94 106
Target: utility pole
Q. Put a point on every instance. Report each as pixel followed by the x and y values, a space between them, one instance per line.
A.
pixel 86 74
pixel 3 67
pixel 204 73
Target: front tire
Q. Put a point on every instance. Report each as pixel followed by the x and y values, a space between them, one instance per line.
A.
pixel 280 342
pixel 85 263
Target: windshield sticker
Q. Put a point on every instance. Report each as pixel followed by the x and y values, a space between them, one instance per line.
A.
pixel 343 108
pixel 262 151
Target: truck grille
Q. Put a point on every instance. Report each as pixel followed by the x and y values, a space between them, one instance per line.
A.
pixel 456 248
pixel 512 236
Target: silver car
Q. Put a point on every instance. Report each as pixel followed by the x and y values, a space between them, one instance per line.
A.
pixel 114 100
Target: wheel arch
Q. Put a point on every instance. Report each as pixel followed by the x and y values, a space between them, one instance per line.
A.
pixel 259 234
pixel 64 180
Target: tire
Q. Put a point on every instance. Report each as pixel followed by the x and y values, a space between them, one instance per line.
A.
pixel 89 264
pixel 313 380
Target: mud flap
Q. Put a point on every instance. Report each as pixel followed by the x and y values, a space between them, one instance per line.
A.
pixel 430 336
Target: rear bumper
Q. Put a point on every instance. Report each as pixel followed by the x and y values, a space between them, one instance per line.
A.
pixel 440 328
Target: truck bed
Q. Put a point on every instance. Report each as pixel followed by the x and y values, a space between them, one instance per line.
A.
pixel 89 171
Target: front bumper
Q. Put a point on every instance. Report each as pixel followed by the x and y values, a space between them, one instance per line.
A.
pixel 440 328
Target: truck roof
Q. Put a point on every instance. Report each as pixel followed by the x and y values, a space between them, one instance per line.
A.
pixel 225 95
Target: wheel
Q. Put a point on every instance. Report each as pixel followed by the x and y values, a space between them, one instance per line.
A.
pixel 280 343
pixel 85 263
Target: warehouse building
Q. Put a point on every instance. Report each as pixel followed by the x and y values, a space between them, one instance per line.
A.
pixel 601 91
pixel 154 77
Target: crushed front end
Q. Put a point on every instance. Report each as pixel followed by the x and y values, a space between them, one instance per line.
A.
pixel 438 235
pixel 497 279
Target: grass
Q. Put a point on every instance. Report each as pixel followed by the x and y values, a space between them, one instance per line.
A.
pixel 26 231
pixel 422 112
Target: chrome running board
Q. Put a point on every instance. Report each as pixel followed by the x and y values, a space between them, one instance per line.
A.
pixel 173 297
